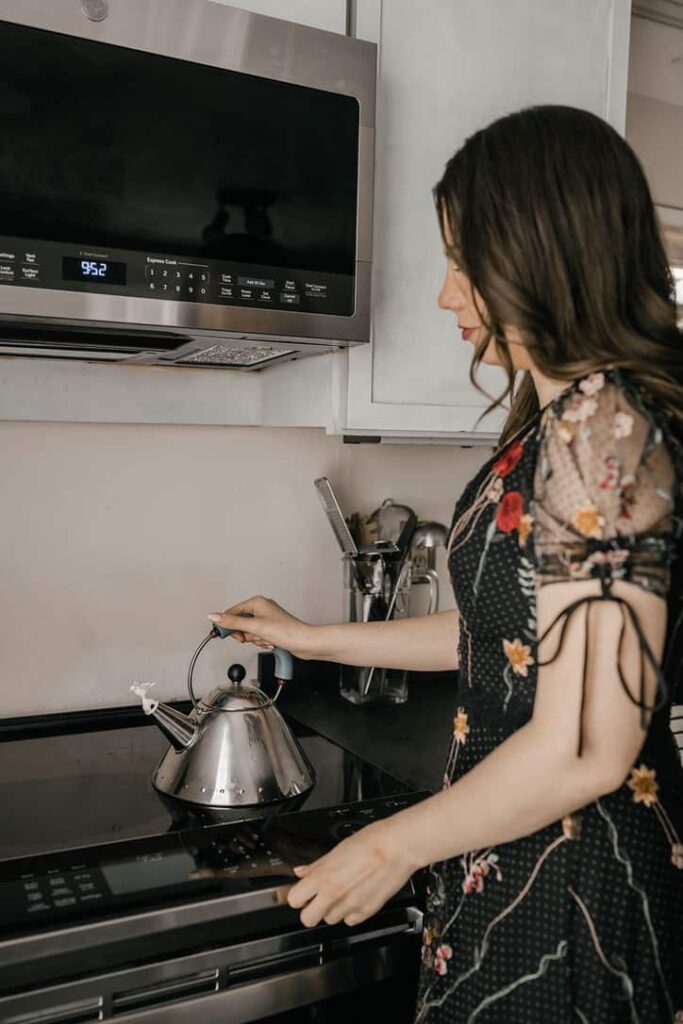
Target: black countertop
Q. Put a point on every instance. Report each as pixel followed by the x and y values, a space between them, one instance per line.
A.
pixel 408 740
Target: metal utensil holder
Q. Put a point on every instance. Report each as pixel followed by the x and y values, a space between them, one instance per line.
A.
pixel 370 579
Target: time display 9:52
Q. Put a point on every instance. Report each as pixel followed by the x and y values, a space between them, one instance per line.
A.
pixel 93 271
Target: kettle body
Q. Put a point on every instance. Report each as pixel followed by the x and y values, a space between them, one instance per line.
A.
pixel 235 748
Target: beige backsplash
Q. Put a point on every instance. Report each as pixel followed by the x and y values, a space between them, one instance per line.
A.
pixel 116 540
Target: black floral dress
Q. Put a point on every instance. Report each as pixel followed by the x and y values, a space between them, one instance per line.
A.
pixel 581 921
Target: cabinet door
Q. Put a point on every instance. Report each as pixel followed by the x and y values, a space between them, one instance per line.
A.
pixel 445 71
pixel 326 14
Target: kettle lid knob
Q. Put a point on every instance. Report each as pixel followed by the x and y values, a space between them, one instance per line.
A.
pixel 236 674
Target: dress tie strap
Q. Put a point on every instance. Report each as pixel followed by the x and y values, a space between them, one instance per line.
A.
pixel 627 614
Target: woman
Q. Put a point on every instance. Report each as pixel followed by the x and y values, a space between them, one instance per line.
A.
pixel 553 852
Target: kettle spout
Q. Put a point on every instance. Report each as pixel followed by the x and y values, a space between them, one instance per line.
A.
pixel 176 727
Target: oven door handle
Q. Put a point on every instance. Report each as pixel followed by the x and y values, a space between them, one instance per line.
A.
pixel 277 994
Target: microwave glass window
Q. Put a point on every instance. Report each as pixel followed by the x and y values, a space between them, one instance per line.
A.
pixel 112 147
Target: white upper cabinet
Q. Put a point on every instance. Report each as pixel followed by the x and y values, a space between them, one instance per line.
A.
pixel 446 69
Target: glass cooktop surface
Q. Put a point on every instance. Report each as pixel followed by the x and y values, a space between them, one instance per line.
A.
pixel 69 791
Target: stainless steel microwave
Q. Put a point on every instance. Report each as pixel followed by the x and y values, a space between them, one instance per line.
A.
pixel 182 182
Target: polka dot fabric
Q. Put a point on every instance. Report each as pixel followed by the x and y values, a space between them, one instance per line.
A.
pixel 581 921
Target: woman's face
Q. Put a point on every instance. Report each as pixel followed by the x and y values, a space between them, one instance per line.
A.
pixel 458 295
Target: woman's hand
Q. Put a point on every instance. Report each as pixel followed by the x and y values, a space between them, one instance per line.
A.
pixel 269 626
pixel 354 880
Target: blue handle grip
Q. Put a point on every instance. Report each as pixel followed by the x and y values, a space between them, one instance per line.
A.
pixel 284 662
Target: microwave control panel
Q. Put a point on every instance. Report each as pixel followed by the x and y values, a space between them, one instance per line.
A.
pixel 35 264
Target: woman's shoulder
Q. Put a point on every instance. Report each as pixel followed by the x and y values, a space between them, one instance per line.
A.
pixel 608 460
pixel 614 398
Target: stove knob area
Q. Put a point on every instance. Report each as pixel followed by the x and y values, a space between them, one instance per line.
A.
pixel 347 828
pixel 236 674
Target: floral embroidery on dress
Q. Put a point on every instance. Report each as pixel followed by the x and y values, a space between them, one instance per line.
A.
pixel 461 730
pixel 477 867
pixel 441 957
pixel 571 826
pixel 588 521
pixel 519 656
pixel 623 424
pixel 610 478
pixel 519 659
pixel 509 459
pixel 510 511
pixel 592 384
pixel 643 783
pixel 460 726
pixel 524 528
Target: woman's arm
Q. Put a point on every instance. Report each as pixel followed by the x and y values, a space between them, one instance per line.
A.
pixel 427 643
pixel 535 777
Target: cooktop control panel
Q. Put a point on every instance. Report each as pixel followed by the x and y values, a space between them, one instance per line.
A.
pixel 232 859
pixel 176 278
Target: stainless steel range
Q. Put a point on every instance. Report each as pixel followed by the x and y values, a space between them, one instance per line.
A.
pixel 119 903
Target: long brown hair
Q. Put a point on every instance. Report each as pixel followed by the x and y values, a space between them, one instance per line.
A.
pixel 551 218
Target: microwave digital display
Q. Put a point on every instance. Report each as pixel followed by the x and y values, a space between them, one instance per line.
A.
pixel 93 271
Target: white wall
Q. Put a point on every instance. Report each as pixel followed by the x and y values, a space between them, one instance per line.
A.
pixel 116 540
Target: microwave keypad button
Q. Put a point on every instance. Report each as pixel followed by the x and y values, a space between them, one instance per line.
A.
pixel 225 279
pixel 6 271
pixel 227 293
pixel 246 293
pixel 265 296
pixel 30 273
pixel 290 298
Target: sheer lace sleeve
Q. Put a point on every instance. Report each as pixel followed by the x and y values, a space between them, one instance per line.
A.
pixel 605 507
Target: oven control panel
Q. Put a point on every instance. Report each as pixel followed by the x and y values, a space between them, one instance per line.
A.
pixel 164 277
pixel 236 858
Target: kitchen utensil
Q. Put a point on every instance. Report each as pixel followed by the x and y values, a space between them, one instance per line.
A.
pixel 390 519
pixel 429 535
pixel 335 517
pixel 404 570
pixel 234 749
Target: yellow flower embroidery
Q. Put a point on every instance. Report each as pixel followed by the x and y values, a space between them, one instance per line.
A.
pixel 571 826
pixel 588 521
pixel 460 726
pixel 565 432
pixel 519 656
pixel 526 525
pixel 644 784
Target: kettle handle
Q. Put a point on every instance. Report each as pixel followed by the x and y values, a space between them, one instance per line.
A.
pixel 284 662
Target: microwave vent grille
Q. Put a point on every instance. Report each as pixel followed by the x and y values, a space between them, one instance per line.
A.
pixel 234 355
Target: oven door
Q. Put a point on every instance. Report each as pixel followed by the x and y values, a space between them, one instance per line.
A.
pixel 324 974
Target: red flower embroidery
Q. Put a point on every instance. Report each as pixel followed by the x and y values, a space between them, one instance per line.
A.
pixel 510 511
pixel 509 459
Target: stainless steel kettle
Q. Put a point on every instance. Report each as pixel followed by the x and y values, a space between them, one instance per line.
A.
pixel 234 749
